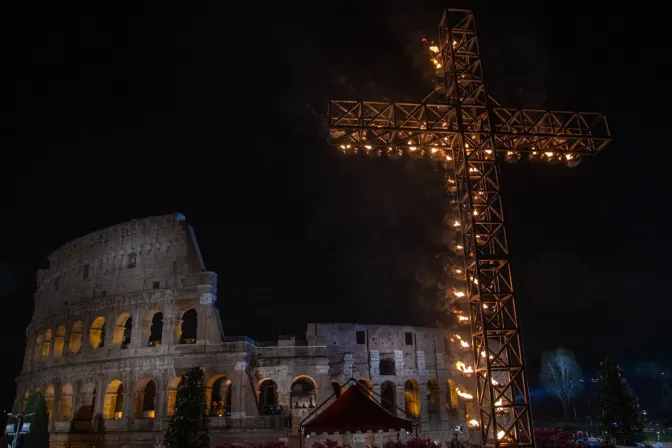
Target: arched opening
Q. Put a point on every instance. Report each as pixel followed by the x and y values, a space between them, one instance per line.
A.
pixel 86 400
pixel 367 385
pixel 156 330
pixel 65 403
pixel 113 407
pixel 412 399
pixel 302 393
pixel 122 330
pixel 268 397
pixel 189 326
pixel 59 341
pixel 451 396
pixel 172 395
pixel 37 350
pixel 46 345
pixel 49 399
pixel 97 333
pixel 76 336
pixel 145 398
pixel 433 397
pixel 220 397
pixel 388 395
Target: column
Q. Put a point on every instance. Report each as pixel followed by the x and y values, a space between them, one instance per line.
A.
pixel 52 343
pixel 75 397
pixel 422 390
pixel 237 399
pixel 55 405
pixel 324 389
pixel 205 319
pixel 138 338
pixel 112 330
pixel 100 398
pixel 127 408
pixel 170 330
pixel 85 346
pixel 161 399
pixel 401 398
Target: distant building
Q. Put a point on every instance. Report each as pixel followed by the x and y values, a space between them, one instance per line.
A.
pixel 122 312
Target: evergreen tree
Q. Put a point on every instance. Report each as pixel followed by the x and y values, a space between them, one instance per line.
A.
pixel 189 426
pixel 38 437
pixel 618 417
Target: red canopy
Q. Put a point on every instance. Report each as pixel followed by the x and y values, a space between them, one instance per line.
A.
pixel 355 410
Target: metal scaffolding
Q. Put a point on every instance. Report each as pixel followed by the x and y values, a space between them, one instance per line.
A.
pixel 470 134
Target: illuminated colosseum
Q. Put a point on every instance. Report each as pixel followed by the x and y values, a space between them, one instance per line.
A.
pixel 122 312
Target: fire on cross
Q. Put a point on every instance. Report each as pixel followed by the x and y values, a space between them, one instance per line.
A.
pixel 470 134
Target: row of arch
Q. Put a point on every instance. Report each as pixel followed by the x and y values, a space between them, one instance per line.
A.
pixel 84 402
pixel 145 401
pixel 121 337
pixel 302 395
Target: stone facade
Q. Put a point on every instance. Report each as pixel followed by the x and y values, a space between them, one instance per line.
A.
pixel 122 312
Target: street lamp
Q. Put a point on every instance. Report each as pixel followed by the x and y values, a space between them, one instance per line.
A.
pixel 21 426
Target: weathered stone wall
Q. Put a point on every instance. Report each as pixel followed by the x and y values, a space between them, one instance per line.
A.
pixel 144 254
pixel 122 312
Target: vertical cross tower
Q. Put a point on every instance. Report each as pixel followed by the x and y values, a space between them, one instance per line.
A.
pixel 470 134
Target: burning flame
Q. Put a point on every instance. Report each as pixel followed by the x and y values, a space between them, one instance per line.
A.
pixel 436 63
pixel 474 423
pixel 462 367
pixel 463 343
pixel 462 318
pixel 434 48
pixel 456 223
pixel 464 395
pixel 500 435
pixel 458 293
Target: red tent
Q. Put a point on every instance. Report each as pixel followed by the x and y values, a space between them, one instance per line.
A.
pixel 355 410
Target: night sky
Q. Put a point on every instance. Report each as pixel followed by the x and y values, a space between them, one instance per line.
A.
pixel 110 115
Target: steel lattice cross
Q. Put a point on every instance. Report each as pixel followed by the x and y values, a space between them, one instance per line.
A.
pixel 470 134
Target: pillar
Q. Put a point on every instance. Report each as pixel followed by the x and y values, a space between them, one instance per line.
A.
pixel 111 329
pixel 422 390
pixel 207 324
pixel 127 409
pixel 138 338
pixel 324 389
pixel 171 330
pixel 100 398
pixel 75 397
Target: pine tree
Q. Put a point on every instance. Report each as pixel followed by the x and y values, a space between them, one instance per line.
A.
pixel 38 437
pixel 618 417
pixel 189 426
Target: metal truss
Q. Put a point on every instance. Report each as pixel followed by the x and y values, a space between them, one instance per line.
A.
pixel 471 134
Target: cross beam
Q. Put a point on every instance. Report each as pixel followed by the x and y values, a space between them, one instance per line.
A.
pixel 470 134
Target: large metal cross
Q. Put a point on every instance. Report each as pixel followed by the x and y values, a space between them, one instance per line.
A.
pixel 470 134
